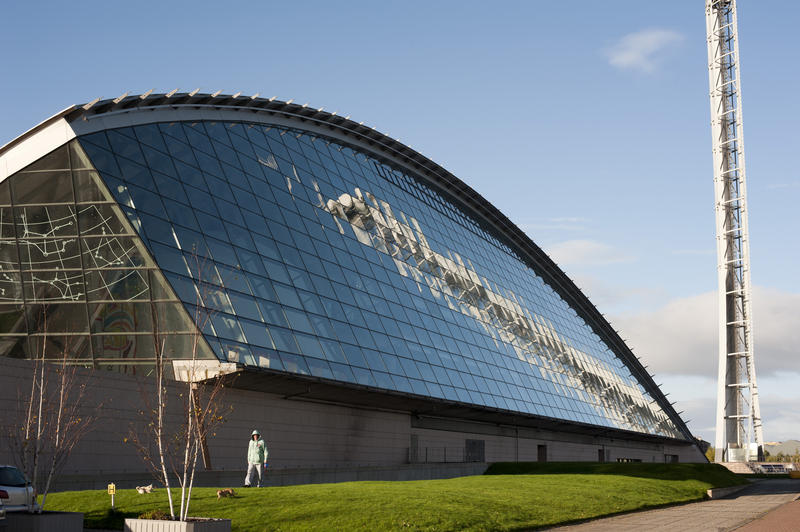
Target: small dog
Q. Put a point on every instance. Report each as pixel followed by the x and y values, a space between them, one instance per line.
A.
pixel 227 492
pixel 144 489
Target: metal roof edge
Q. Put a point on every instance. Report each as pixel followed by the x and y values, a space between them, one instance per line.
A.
pixel 38 127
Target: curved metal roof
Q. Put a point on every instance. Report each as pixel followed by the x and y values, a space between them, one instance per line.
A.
pixel 255 109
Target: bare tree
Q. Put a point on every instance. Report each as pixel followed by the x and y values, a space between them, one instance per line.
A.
pixel 201 410
pixel 49 419
pixel 155 415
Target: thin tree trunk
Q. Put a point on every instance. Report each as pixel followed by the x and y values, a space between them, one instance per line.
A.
pixel 187 447
pixel 160 427
pixel 29 418
pixel 37 449
pixel 27 449
pixel 191 478
pixel 58 437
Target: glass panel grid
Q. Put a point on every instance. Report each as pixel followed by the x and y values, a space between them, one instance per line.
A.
pixel 359 272
pixel 75 279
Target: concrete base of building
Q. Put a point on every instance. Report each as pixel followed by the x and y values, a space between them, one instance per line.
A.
pixel 310 441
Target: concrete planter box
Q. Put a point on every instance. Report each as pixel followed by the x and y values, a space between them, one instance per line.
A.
pixel 716 493
pixel 152 525
pixel 44 522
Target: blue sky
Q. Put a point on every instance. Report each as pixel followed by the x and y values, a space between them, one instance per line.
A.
pixel 587 123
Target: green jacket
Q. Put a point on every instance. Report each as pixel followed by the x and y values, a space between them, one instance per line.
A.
pixel 257 452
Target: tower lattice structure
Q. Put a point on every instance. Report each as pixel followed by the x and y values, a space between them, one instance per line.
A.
pixel 738 427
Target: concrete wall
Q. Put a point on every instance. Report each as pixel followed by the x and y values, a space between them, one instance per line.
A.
pixel 522 445
pixel 307 437
pixel 306 434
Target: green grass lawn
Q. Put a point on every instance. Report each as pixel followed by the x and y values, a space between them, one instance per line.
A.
pixel 555 494
pixel 714 473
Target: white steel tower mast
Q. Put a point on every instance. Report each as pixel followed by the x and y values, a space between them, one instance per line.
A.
pixel 739 436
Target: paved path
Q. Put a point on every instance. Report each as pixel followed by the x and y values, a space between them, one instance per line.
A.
pixel 716 515
pixel 785 519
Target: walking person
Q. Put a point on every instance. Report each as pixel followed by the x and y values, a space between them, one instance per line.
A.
pixel 256 458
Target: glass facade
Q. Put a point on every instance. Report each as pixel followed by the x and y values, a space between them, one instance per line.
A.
pixel 75 279
pixel 316 259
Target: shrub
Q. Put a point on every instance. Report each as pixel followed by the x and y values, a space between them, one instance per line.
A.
pixel 156 515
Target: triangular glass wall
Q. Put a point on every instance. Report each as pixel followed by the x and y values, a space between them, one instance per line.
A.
pixel 76 279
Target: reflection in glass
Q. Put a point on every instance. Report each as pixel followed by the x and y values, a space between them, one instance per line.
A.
pixel 312 258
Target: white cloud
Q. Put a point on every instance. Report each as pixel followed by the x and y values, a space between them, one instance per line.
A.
pixel 641 50
pixel 779 413
pixel 780 417
pixel 586 253
pixel 613 299
pixel 700 416
pixel 681 337
pixel 678 343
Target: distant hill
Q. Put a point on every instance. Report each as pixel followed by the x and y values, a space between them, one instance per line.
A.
pixel 785 447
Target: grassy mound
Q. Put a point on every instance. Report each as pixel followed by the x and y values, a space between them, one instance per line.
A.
pixel 489 502
pixel 716 474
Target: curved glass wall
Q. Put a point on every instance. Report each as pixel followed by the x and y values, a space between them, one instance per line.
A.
pixel 317 259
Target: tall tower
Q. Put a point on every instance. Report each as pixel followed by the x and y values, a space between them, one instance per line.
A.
pixel 738 437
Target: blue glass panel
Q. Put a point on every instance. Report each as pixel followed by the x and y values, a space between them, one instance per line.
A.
pixel 266 247
pixel 256 333
pixel 383 380
pixel 195 134
pixel 159 162
pixel 298 320
pixel 222 252
pixel 354 355
pixel 273 313
pixel 262 289
pixel 309 345
pixel 295 364
pixel 149 135
pixel 320 368
pixel 284 340
pixel 201 200
pixel 333 351
pixel 227 326
pixel 267 358
pixel 342 372
pixel 244 306
pixel 181 152
pixel 250 262
pixel 287 295
pixel 190 175
pixel 364 377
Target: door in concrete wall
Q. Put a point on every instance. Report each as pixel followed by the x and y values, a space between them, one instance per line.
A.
pixel 475 451
pixel 542 453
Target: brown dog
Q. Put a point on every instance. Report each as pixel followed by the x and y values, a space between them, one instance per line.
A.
pixel 227 492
